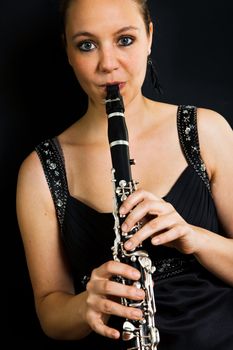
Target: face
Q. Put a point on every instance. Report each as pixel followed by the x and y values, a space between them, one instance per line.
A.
pixel 107 43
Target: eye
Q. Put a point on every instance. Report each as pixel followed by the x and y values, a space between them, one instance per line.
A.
pixel 126 41
pixel 86 46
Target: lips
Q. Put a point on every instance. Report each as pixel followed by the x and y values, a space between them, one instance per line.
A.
pixel 119 83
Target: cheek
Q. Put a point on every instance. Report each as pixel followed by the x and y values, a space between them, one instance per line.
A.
pixel 138 65
pixel 138 57
pixel 82 69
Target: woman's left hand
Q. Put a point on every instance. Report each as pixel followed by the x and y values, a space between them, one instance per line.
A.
pixel 161 222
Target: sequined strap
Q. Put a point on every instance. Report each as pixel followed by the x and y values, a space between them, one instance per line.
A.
pixel 169 267
pixel 188 136
pixel 54 170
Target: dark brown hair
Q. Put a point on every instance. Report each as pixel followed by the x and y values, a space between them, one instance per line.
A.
pixel 142 4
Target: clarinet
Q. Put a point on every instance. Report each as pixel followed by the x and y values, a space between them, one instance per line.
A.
pixel 142 334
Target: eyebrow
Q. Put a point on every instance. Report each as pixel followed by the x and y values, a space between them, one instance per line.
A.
pixel 124 29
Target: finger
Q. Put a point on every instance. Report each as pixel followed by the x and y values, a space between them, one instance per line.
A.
pixel 153 227
pixel 114 268
pixel 110 288
pixel 176 232
pixel 134 199
pixel 110 307
pixel 97 324
pixel 144 208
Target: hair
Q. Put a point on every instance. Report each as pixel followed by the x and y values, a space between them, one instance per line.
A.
pixel 142 4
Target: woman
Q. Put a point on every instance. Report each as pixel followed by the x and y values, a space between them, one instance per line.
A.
pixel 185 198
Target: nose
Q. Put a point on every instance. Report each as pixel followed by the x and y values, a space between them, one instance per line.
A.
pixel 108 61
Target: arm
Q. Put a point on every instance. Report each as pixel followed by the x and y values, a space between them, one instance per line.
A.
pixel 213 251
pixel 216 141
pixel 62 314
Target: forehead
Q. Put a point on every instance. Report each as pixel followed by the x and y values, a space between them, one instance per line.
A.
pixel 91 14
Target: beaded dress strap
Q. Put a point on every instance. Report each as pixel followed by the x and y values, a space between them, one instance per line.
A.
pixel 188 136
pixel 52 161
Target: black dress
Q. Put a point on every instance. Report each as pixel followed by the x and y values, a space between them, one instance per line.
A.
pixel 194 308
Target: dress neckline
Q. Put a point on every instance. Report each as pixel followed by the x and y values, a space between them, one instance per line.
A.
pixel 80 202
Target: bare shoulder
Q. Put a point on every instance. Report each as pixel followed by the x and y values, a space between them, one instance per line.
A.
pixel 31 182
pixel 212 123
pixel 214 130
pixel 215 137
pixel 31 168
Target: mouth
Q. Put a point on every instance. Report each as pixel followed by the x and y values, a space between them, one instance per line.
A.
pixel 119 83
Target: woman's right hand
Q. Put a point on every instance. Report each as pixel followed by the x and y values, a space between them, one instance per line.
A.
pixel 103 293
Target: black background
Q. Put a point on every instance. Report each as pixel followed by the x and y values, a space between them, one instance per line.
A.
pixel 39 97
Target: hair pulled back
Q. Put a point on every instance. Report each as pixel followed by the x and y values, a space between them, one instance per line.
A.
pixel 142 4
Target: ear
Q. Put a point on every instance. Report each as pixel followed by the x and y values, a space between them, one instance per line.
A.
pixel 151 31
pixel 69 60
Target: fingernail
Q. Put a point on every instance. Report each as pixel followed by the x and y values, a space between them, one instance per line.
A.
pixel 128 245
pixel 137 314
pixel 155 241
pixel 115 335
pixel 122 210
pixel 140 293
pixel 136 274
pixel 124 227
